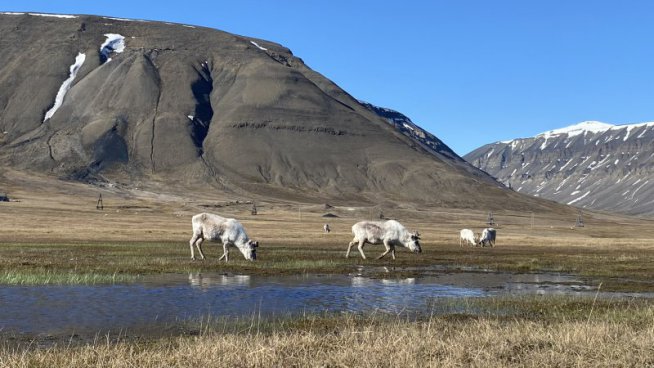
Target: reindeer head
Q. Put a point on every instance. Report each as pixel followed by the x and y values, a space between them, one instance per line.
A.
pixel 250 250
pixel 414 243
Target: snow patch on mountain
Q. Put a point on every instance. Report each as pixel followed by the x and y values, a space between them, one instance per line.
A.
pixel 595 127
pixel 258 46
pixel 65 86
pixel 574 130
pixel 43 15
pixel 579 199
pixel 113 43
pixel 126 19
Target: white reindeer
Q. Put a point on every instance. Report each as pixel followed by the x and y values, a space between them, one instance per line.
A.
pixel 390 233
pixel 207 226
pixel 466 236
pixel 487 237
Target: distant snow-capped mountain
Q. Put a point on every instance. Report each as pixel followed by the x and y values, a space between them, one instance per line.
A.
pixel 590 165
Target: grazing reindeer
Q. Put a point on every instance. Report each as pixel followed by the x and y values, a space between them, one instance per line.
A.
pixel 488 237
pixel 466 236
pixel 390 233
pixel 207 226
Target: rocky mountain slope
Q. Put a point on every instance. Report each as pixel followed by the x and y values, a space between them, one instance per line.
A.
pixel 107 100
pixel 590 165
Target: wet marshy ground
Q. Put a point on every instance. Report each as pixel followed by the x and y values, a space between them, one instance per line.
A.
pixel 170 299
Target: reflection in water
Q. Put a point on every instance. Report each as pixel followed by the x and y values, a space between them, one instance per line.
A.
pixel 166 299
pixel 204 281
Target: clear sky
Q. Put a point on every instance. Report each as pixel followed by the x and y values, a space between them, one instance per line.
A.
pixel 469 71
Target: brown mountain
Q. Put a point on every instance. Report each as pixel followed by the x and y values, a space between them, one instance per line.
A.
pixel 110 100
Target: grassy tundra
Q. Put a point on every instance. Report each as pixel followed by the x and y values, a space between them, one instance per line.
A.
pixel 57 236
pixel 63 239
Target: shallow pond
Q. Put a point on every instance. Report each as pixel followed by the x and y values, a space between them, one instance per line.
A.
pixel 169 299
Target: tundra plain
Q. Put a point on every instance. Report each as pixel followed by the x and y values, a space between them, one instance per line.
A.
pixel 52 233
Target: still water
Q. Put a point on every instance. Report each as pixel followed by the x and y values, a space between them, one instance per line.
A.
pixel 168 299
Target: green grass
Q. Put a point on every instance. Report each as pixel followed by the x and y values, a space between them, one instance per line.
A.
pixel 32 277
pixel 620 269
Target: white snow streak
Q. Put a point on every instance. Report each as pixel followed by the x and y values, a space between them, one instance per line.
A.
pixel 65 86
pixel 566 164
pixel 544 145
pixel 643 132
pixel 600 163
pixel 562 183
pixel 54 15
pixel 637 189
pixel 580 198
pixel 259 47
pixel 622 178
pixel 629 128
pixel 128 20
pixel 43 15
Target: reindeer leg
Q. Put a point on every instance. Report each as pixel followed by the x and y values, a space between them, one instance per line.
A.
pixel 191 243
pixel 199 245
pixel 349 248
pixel 196 240
pixel 361 244
pixel 388 249
pixel 225 252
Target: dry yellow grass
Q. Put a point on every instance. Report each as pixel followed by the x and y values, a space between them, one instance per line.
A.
pixel 437 342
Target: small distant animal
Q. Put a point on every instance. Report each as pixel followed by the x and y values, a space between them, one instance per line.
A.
pixel 467 237
pixel 326 228
pixel 487 237
pixel 390 233
pixel 230 232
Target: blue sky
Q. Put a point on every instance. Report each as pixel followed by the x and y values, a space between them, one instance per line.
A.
pixel 470 72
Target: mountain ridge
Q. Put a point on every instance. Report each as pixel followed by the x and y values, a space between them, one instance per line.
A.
pixel 155 103
pixel 591 164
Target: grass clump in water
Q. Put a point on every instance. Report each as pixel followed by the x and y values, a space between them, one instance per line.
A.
pixel 61 278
